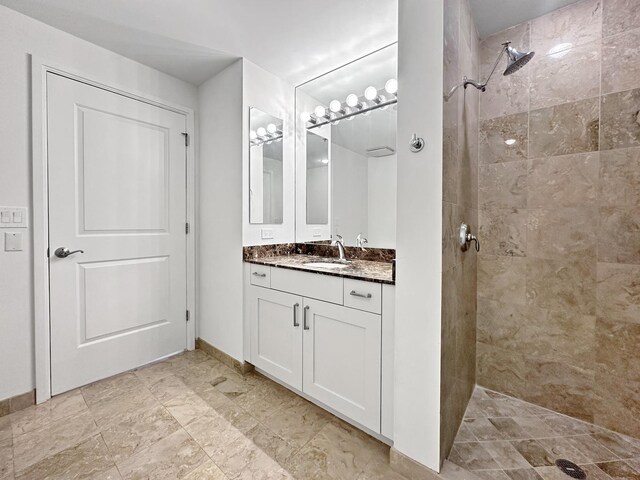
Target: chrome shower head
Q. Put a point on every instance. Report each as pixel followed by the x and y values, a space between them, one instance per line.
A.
pixel 516 60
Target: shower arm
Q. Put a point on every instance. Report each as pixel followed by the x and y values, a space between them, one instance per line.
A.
pixel 480 86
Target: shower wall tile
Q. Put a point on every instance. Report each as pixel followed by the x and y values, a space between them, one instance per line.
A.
pixel 562 285
pixel 554 77
pixel 575 24
pixel 556 336
pixel 618 292
pixel 619 235
pixel 558 285
pixel 451 219
pixel 564 388
pixel 620 16
pixel 564 181
pixel 450 164
pixel 620 118
pixel 502 279
pixel 563 233
pixel 616 404
pixel 620 177
pixel 503 231
pixel 495 132
pixel 504 185
pixel 564 129
pixel 617 349
pixel 621 62
pixel 502 370
pixel 505 95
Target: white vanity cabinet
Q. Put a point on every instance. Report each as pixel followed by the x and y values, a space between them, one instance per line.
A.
pixel 313 333
pixel 341 360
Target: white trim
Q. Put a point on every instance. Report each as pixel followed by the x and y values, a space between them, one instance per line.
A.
pixel 39 70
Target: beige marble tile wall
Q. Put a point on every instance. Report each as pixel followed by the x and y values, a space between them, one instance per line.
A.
pixel 559 272
pixel 459 204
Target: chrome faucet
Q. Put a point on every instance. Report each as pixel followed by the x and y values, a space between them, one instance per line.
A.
pixel 361 242
pixel 338 243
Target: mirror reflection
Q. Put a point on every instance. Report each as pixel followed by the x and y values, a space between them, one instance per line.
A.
pixel 265 168
pixel 353 109
pixel 317 179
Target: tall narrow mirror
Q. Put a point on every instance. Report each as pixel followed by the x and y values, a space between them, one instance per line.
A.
pixel 317 179
pixel 346 153
pixel 265 168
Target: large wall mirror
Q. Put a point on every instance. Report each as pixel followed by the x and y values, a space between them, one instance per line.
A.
pixel 346 153
pixel 266 185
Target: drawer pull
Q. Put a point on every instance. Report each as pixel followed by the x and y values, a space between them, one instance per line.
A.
pixel 295 315
pixel 361 295
pixel 304 318
pixel 258 274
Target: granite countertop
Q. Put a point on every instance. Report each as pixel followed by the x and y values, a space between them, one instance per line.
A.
pixel 380 272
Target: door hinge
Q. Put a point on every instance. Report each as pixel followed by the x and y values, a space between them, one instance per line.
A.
pixel 186 228
pixel 187 317
pixel 48 252
pixel 186 139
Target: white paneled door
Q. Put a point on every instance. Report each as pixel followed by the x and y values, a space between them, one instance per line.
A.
pixel 117 192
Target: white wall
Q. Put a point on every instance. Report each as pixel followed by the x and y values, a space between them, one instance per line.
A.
pixel 21 36
pixel 221 211
pixel 382 201
pixel 418 286
pixel 274 96
pixel 350 194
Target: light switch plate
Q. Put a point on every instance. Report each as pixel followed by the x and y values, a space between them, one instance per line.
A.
pixel 13 217
pixel 12 242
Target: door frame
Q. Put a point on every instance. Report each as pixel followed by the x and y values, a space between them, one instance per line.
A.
pixel 42 321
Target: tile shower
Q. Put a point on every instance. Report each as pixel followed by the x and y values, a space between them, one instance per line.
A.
pixel 558 195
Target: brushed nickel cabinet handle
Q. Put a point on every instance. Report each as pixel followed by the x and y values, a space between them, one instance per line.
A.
pixel 295 315
pixel 361 295
pixel 261 275
pixel 305 320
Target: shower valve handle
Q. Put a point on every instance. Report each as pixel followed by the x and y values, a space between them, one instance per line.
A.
pixel 465 238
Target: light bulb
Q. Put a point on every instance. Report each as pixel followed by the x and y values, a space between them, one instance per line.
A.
pixel 371 93
pixel 391 86
pixel 253 135
pixel 320 111
pixel 271 128
pixel 305 117
pixel 352 100
pixel 335 106
pixel 261 132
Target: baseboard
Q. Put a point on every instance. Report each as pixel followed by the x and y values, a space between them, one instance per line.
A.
pixel 241 367
pixel 17 403
pixel 410 468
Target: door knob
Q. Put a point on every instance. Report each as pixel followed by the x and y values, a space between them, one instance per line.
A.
pixel 63 252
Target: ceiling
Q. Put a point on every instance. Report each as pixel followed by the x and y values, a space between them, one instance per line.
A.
pixel 492 16
pixel 193 40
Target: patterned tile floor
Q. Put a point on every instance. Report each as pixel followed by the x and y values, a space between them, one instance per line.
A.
pixel 187 417
pixel 502 438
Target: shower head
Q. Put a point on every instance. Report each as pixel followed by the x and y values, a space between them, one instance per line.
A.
pixel 516 60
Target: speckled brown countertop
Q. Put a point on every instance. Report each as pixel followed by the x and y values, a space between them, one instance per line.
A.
pixel 380 272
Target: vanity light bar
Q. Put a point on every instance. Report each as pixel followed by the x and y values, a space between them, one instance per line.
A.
pixel 267 135
pixel 351 114
pixel 354 105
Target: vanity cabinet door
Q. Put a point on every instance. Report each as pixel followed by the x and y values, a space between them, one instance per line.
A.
pixel 342 360
pixel 276 334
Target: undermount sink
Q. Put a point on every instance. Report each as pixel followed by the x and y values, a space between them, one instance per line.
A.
pixel 329 265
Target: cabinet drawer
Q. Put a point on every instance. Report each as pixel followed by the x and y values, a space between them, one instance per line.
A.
pixel 365 296
pixel 260 275
pixel 310 285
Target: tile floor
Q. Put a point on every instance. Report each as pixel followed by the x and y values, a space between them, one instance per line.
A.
pixel 502 438
pixel 187 417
